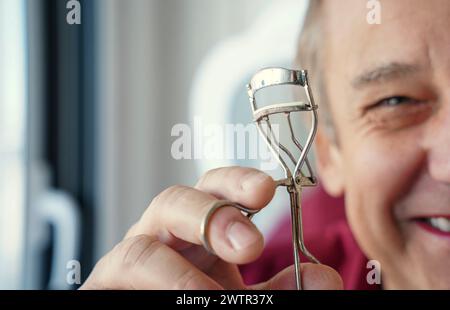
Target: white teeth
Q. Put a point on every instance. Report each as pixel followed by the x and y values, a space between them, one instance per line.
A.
pixel 440 223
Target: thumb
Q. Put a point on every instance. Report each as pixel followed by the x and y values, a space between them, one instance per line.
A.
pixel 314 277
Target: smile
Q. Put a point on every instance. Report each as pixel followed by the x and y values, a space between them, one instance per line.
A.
pixel 437 224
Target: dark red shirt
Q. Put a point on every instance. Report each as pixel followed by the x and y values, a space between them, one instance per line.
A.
pixel 327 236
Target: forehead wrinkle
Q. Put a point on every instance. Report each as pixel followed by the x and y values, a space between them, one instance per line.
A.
pixel 384 73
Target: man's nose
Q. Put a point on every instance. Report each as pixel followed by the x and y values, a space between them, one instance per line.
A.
pixel 438 144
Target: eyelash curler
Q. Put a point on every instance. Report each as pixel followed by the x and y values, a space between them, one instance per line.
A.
pixel 294 180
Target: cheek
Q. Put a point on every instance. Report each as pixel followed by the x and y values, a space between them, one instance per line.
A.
pixel 378 171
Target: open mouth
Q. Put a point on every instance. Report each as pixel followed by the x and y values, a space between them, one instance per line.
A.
pixel 435 224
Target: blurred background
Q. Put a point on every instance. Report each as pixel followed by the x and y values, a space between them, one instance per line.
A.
pixel 87 111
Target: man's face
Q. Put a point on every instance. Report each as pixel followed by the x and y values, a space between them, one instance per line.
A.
pixel 389 91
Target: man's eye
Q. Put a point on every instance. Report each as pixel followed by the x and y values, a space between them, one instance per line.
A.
pixel 398 112
pixel 394 101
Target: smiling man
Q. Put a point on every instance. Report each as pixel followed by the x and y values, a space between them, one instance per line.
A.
pixel 387 87
pixel 383 144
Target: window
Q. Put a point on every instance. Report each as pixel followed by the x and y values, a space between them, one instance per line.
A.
pixel 13 111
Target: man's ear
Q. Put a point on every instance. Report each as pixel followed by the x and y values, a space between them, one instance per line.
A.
pixel 329 163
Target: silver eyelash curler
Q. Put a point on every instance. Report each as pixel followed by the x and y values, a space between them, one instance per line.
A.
pixel 294 180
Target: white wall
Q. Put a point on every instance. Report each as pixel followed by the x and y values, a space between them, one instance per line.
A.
pixel 149 51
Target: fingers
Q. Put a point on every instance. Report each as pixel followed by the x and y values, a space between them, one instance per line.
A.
pixel 234 237
pixel 249 187
pixel 314 277
pixel 179 212
pixel 148 259
pixel 142 262
pixel 320 277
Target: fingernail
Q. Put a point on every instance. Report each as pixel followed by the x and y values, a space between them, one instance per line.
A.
pixel 241 235
pixel 253 179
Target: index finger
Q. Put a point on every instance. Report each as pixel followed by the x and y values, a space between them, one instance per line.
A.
pixel 249 187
